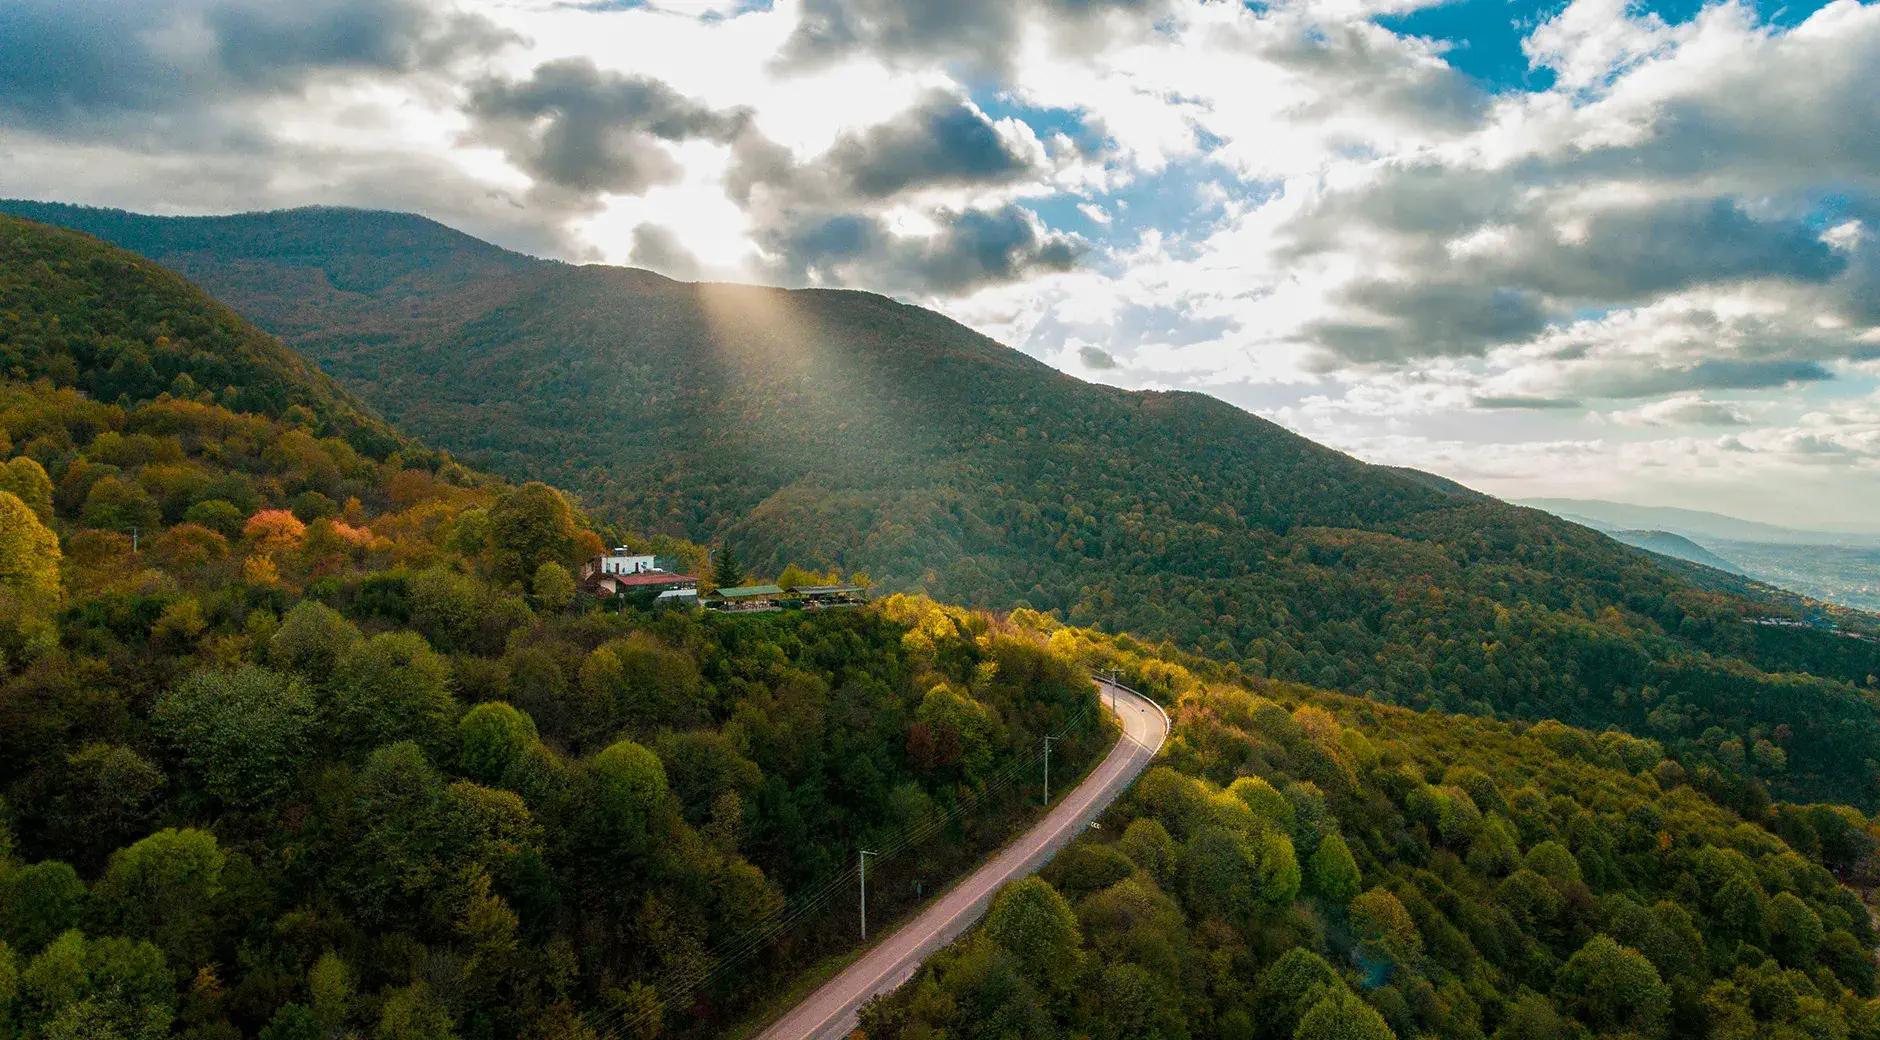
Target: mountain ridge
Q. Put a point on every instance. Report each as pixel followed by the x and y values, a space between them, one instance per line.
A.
pixel 845 430
pixel 1667 543
pixel 1695 524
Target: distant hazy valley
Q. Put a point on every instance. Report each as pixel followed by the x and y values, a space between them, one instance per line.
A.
pixel 1838 567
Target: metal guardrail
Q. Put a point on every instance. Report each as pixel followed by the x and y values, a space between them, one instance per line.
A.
pixel 1168 724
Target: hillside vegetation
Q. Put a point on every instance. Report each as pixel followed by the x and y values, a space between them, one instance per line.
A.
pixel 304 733
pixel 842 429
pixel 1307 866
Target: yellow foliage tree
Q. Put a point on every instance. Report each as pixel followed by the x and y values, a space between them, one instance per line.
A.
pixel 259 570
pixel 29 558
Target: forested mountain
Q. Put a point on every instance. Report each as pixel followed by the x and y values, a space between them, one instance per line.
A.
pixel 305 735
pixel 304 732
pixel 842 429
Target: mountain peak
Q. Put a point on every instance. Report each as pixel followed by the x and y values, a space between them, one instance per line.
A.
pixel 356 250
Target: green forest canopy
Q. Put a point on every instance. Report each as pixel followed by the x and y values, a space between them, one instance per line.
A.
pixel 301 734
pixel 1303 865
pixel 325 748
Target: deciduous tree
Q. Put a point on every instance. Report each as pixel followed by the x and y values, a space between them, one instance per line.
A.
pixel 1333 873
pixel 29 561
pixel 27 479
pixel 1340 1015
pixel 1029 918
pixel 390 687
pixel 243 732
pixel 529 526
pixel 1613 987
pixel 164 889
pixel 37 902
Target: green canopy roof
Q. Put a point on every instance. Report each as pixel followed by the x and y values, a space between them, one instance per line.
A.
pixel 749 591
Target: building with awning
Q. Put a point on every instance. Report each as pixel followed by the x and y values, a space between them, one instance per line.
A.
pixel 819 597
pixel 743 598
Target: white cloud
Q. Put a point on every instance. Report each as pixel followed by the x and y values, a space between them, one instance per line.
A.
pixel 1290 206
pixel 1686 410
pixel 1589 41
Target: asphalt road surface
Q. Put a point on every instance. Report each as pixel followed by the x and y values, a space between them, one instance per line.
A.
pixel 831 1010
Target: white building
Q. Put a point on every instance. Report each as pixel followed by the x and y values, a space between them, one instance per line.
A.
pixel 619 562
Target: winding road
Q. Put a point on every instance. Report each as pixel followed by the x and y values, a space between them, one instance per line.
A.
pixel 831 1011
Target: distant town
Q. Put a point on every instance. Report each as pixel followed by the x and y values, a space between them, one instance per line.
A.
pixel 1817 625
pixel 625 576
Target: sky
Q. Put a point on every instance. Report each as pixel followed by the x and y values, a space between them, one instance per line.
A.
pixel 1581 248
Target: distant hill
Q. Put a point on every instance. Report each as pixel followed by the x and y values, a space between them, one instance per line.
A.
pixel 1690 523
pixel 119 327
pixel 1664 543
pixel 1838 567
pixel 843 429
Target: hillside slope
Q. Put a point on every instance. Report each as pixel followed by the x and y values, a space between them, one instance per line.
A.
pixel 1307 866
pixel 120 328
pixel 330 748
pixel 296 741
pixel 842 429
pixel 1665 543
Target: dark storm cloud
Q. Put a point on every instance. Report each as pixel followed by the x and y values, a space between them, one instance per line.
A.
pixel 1637 253
pixel 973 249
pixel 577 128
pixel 1624 253
pixel 1407 320
pixel 658 248
pixel 820 217
pixel 88 66
pixel 941 140
pixel 1629 380
pixel 978 33
pixel 1809 106
pixel 1096 357
pixel 1526 402
pixel 1529 273
pixel 261 42
pixel 1857 292
pixel 1861 289
pixel 581 132
pixel 1360 68
pixel 982 247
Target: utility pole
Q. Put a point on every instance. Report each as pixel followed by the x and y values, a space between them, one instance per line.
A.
pixel 865 854
pixel 133 538
pixel 1047 770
